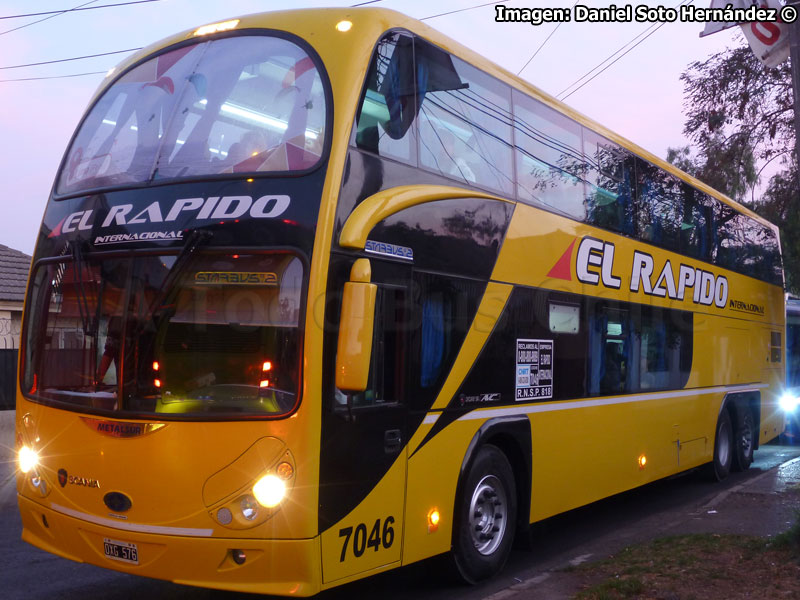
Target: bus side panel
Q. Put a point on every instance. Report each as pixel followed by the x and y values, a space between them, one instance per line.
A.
pixel 433 472
pixel 581 455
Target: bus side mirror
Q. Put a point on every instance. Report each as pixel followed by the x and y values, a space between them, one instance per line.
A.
pixel 354 350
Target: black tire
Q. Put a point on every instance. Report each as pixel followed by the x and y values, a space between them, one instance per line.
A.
pixel 486 513
pixel 719 468
pixel 744 439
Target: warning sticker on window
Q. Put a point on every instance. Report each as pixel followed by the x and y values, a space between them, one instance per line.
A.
pixel 534 369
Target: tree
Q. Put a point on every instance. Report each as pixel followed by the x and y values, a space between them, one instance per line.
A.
pixel 740 116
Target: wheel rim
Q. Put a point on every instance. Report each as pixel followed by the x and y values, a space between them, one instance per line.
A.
pixel 746 438
pixel 723 446
pixel 488 514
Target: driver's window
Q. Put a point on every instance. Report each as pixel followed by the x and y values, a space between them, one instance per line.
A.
pixel 384 124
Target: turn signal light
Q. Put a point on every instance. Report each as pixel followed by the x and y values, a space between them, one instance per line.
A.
pixel 433 520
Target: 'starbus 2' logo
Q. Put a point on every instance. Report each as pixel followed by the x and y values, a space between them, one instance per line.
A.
pixel 594 264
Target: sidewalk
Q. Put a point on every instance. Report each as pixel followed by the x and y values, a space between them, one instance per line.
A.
pixel 763 506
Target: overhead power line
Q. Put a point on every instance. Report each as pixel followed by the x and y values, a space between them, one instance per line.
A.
pixel 646 33
pixel 452 12
pixel 46 18
pixel 542 45
pixel 60 60
pixel 133 49
pixel 77 8
pixel 52 77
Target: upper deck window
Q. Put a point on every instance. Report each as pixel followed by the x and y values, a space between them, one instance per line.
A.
pixel 233 105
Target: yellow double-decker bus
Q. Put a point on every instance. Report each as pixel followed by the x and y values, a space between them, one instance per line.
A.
pixel 321 293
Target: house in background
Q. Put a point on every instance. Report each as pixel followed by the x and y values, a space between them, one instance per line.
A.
pixel 14 266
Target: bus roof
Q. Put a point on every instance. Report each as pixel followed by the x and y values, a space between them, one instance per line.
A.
pixel 372 22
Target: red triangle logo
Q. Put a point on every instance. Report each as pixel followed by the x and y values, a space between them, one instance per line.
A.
pixel 57 230
pixel 562 270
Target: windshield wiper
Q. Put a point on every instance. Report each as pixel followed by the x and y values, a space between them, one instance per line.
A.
pixel 196 239
pixel 88 324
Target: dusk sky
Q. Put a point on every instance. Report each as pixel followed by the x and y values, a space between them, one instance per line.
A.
pixel 640 96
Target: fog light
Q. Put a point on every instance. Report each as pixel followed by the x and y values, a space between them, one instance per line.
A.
pixel 249 508
pixel 269 490
pixel 238 556
pixel 39 483
pixel 28 459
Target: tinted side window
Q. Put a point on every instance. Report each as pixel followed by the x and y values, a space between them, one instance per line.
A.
pixel 659 212
pixel 762 254
pixel 447 307
pixel 729 237
pixel 460 236
pixel 634 348
pixel 384 123
pixel 697 224
pixel 465 121
pixel 610 188
pixel 610 341
pixel 548 157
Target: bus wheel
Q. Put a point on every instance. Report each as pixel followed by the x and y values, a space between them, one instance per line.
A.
pixel 723 448
pixel 744 440
pixel 485 517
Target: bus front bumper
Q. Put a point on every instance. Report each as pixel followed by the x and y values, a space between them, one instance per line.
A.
pixel 281 567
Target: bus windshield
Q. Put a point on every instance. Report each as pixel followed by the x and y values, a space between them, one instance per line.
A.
pixel 245 104
pixel 217 333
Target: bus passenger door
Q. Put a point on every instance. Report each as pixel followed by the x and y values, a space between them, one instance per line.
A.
pixel 363 453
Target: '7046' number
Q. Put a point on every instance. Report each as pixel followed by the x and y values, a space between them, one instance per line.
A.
pixel 378 537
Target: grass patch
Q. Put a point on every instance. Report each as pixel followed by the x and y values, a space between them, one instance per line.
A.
pixel 789 540
pixel 704 566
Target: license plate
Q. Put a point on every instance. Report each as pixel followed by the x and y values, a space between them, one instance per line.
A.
pixel 122 551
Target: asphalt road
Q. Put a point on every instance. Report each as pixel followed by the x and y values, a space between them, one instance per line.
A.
pixel 582 534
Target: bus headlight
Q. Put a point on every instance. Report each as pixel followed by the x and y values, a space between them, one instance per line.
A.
pixel 788 402
pixel 269 490
pixel 27 458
